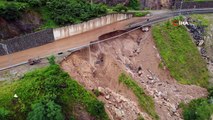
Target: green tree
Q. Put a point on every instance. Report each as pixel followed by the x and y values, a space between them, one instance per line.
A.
pixel 74 11
pixel 51 60
pixel 120 8
pixel 4 114
pixel 134 4
pixel 198 109
pixel 47 110
pixel 10 12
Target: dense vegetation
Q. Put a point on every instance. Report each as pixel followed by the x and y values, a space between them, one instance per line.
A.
pixel 47 94
pixel 199 109
pixel 134 4
pixel 145 101
pixel 180 54
pixel 60 12
pixel 12 10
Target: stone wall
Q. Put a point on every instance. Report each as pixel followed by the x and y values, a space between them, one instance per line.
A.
pixel 190 5
pixel 27 41
pixel 50 35
pixel 67 31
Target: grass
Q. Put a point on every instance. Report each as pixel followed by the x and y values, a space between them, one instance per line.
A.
pixel 146 102
pixel 180 54
pixel 48 81
pixel 201 18
pixel 140 13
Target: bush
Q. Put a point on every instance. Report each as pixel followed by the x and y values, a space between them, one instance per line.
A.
pixel 140 14
pixel 134 4
pixel 12 11
pixel 120 8
pixel 96 92
pixel 199 109
pixel 51 60
pixel 47 110
pixel 4 114
pixel 74 11
pixel 32 3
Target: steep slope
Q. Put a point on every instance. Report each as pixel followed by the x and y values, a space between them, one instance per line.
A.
pixel 137 55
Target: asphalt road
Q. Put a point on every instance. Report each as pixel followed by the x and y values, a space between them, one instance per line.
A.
pixel 161 17
pixel 62 45
pixel 85 38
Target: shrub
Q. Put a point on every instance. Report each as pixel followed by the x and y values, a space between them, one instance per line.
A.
pixel 198 109
pixel 4 114
pixel 32 3
pixel 96 92
pixel 74 11
pixel 140 14
pixel 47 110
pixel 51 60
pixel 120 8
pixel 12 11
pixel 134 4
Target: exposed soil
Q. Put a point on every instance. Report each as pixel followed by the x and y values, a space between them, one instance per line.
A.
pixel 137 55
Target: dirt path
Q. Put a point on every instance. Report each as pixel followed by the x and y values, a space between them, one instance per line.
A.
pixel 101 68
pixel 63 44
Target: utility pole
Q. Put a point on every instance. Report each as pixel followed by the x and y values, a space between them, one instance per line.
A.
pixel 181 5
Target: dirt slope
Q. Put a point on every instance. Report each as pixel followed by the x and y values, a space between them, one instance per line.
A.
pixel 100 70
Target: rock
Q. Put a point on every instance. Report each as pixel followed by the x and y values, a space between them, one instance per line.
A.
pixel 140 73
pixel 149 77
pixel 118 100
pixel 201 42
pixel 107 97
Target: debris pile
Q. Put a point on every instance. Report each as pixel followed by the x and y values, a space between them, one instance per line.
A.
pixel 121 107
pixel 137 55
pixel 198 32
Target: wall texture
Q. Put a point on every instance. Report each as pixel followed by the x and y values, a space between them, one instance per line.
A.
pixel 67 31
pixel 27 41
pixel 188 5
pixel 46 36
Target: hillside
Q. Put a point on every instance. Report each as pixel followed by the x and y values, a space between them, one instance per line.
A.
pixel 48 94
pixel 18 17
pixel 25 16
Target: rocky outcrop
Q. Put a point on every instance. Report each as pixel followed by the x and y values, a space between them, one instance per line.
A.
pixel 156 4
pixel 28 22
pixel 145 4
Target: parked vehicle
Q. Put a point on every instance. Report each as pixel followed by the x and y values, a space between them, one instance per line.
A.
pixel 34 61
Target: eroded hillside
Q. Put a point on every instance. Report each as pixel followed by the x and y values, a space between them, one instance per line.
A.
pixel 136 55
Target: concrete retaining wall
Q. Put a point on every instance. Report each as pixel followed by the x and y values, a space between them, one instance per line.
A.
pixel 46 36
pixel 191 5
pixel 27 41
pixel 67 31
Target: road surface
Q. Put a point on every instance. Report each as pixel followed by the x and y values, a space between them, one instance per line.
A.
pixel 63 44
pixel 87 37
